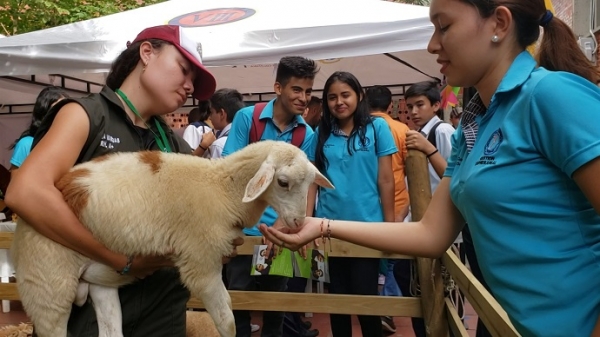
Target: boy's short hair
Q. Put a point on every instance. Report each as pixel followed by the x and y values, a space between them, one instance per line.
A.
pixel 295 66
pixel 194 116
pixel 428 89
pixel 379 98
pixel 230 100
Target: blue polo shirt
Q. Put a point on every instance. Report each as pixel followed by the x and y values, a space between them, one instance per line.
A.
pixel 239 136
pixel 356 193
pixel 21 151
pixel 536 235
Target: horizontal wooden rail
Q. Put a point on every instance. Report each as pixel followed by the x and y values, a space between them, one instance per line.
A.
pixel 486 306
pixel 323 303
pixel 298 302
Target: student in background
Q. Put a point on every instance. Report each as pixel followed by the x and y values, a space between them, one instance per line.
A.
pixel 283 119
pixel 354 150
pixel 199 133
pixel 224 104
pixel 22 146
pixel 312 114
pixel 380 105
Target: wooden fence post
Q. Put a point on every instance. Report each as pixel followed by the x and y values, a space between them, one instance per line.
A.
pixel 429 270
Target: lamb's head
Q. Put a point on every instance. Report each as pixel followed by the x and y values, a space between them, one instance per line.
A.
pixel 283 180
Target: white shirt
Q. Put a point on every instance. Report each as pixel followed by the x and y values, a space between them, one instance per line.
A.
pixel 443 138
pixel 216 148
pixel 193 135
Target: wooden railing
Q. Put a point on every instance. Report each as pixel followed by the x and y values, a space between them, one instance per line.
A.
pixel 440 315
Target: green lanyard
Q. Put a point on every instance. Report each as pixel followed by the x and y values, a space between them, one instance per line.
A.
pixel 162 144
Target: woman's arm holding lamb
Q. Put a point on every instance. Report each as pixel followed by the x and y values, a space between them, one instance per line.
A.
pixel 32 193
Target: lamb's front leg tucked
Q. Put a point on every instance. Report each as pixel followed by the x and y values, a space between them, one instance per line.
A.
pixel 204 281
pixel 103 288
pixel 108 310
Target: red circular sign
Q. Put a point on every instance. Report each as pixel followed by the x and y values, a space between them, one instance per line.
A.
pixel 211 17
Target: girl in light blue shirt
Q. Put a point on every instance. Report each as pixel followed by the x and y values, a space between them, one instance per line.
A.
pixel 22 145
pixel 354 150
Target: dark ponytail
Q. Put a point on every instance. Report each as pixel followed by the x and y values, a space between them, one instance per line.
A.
pixel 558 38
pixel 558 50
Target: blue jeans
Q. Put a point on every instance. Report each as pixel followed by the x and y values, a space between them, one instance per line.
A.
pixel 390 287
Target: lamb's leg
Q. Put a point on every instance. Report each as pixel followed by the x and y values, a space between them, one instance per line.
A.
pixel 104 292
pixel 209 287
pixel 49 310
pixel 108 310
pixel 47 278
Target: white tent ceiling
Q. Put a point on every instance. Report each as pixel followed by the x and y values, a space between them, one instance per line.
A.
pixel 241 41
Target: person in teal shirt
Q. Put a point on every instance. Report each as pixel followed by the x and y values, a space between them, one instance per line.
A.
pixel 293 86
pixel 354 151
pixel 524 167
pixel 22 146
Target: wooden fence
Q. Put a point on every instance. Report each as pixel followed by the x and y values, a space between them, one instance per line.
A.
pixel 439 313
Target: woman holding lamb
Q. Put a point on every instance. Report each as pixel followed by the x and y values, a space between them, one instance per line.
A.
pixel 152 77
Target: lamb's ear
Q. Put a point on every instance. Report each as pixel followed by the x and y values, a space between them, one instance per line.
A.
pixel 320 179
pixel 260 182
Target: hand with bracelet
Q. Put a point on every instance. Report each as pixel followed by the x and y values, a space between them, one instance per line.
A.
pixel 207 139
pixel 296 238
pixel 416 141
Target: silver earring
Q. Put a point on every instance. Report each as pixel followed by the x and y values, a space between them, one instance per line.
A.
pixel 495 39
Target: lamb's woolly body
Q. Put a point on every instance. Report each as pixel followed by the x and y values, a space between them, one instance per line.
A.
pixel 149 203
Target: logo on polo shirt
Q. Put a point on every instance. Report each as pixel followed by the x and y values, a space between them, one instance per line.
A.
pixel 490 149
pixel 212 17
pixel 108 141
pixel 364 146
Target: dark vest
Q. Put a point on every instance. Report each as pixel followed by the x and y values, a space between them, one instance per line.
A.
pixel 110 128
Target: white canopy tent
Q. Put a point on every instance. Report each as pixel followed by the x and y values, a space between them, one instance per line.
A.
pixel 241 40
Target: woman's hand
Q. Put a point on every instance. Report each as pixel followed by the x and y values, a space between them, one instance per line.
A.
pixel 237 242
pixel 143 266
pixel 294 239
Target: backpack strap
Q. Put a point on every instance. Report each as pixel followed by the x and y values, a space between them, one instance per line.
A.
pixel 431 136
pixel 200 124
pixel 257 128
pixel 298 135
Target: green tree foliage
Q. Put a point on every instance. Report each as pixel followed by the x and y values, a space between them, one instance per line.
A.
pixel 22 16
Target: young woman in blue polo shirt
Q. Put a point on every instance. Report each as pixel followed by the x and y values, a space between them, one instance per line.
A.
pixel 526 181
pixel 354 151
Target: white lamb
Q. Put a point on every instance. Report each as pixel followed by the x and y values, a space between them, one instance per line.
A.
pixel 149 203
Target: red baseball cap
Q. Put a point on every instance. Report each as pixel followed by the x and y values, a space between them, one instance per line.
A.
pixel 205 83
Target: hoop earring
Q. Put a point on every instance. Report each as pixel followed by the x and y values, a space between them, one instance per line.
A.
pixel 495 39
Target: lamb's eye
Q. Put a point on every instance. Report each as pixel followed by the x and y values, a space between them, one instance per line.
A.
pixel 283 183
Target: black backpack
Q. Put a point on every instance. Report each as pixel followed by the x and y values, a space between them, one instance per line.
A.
pixel 431 136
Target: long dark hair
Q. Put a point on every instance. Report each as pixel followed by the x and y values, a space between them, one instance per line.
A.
pixel 362 117
pixel 44 101
pixel 558 50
